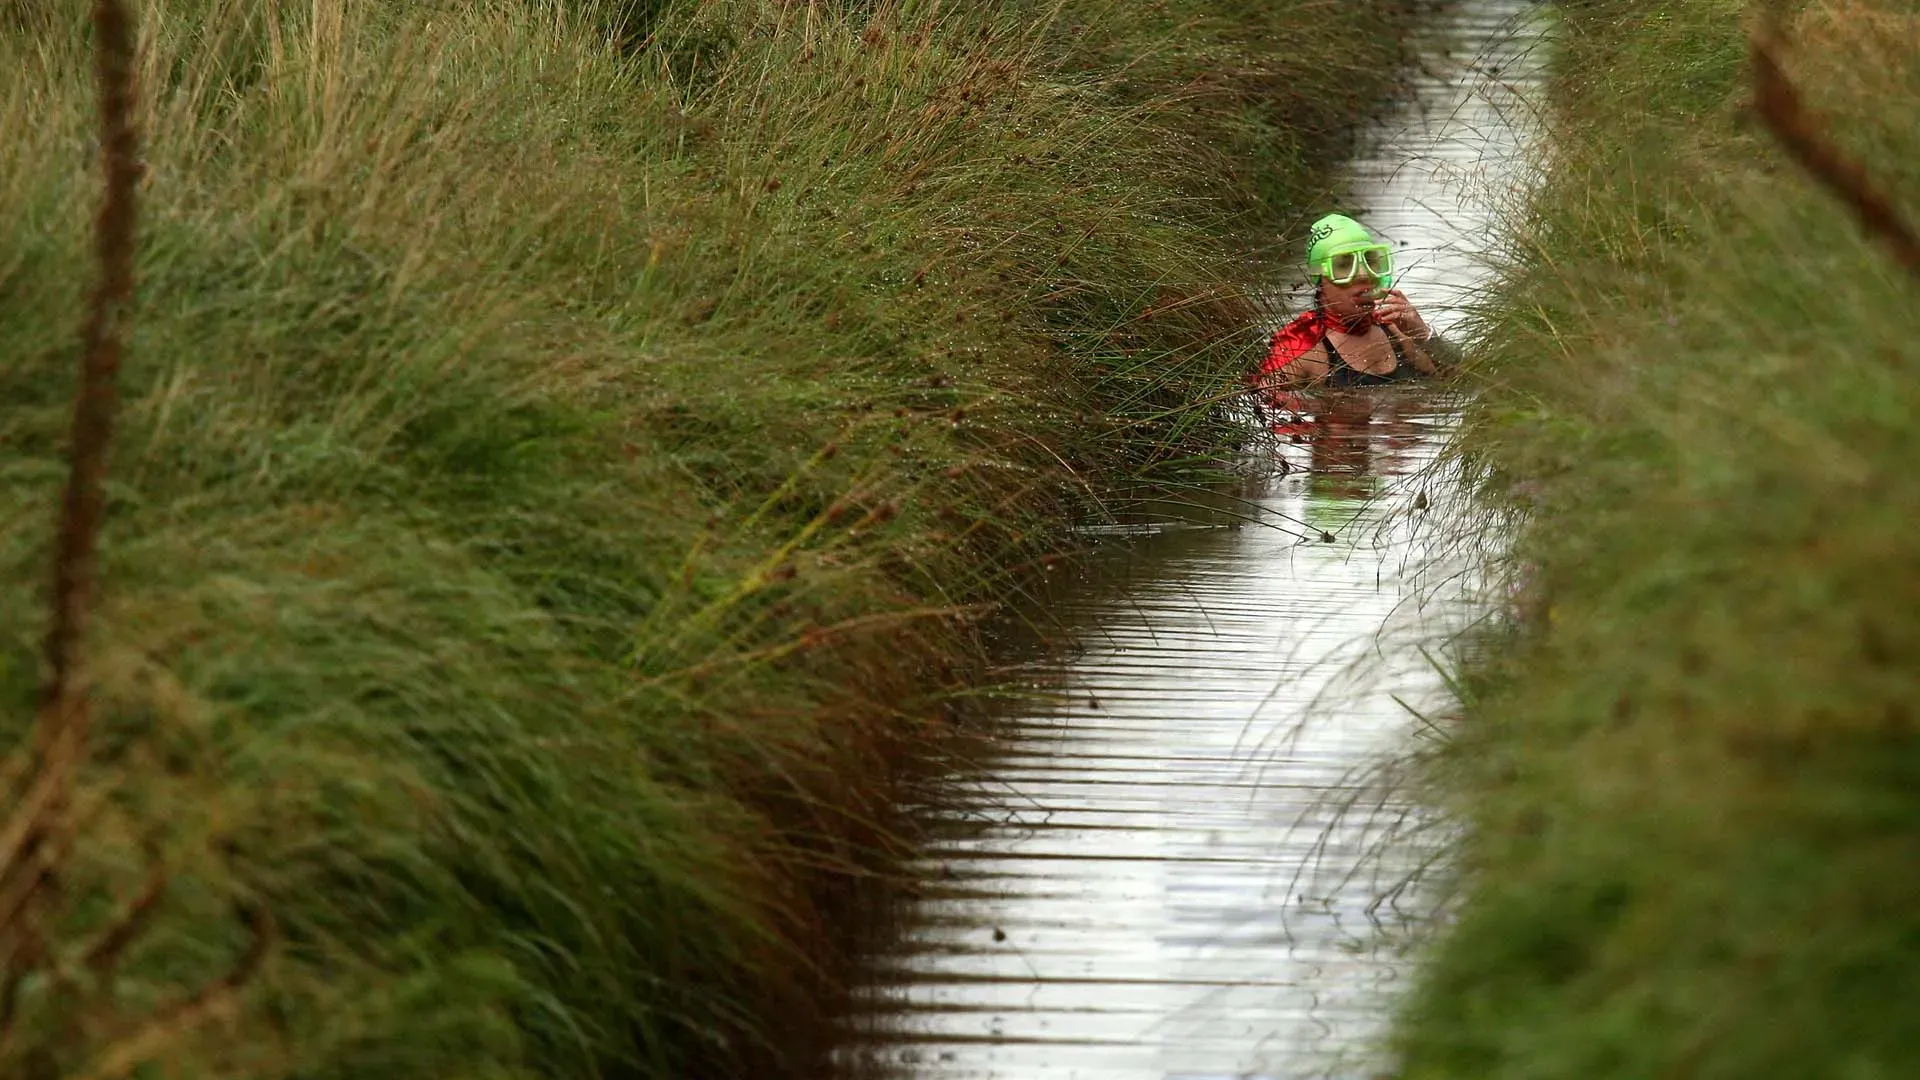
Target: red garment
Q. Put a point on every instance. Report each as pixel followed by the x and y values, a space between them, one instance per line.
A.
pixel 1287 410
pixel 1293 341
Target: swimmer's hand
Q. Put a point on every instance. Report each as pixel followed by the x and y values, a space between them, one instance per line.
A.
pixel 1396 310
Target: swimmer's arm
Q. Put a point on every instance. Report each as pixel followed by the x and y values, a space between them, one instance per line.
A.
pixel 1431 353
pixel 1442 353
pixel 1417 348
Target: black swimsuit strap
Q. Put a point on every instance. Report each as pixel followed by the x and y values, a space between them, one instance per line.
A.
pixel 1337 365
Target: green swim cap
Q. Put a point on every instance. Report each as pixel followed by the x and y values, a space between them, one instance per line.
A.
pixel 1335 234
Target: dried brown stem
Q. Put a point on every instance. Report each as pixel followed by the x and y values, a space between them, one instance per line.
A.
pixel 21 836
pixel 33 845
pixel 1802 133
pixel 63 710
pixel 30 843
pixel 31 878
pixel 181 1017
pixel 107 950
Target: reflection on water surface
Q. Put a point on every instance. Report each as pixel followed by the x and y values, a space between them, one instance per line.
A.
pixel 1160 871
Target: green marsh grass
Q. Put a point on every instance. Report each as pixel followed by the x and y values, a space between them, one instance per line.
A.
pixel 1689 764
pixel 564 453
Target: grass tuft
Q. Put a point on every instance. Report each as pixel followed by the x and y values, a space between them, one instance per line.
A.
pixel 1690 769
pixel 566 448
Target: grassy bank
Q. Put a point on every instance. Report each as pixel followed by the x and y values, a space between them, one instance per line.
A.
pixel 564 448
pixel 1693 774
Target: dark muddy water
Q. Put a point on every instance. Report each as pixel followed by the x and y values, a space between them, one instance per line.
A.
pixel 1183 860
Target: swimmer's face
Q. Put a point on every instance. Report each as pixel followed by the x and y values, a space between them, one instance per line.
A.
pixel 1351 303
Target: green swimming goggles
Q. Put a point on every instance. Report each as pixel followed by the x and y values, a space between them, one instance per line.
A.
pixel 1342 267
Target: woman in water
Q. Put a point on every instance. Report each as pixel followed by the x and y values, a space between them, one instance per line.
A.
pixel 1361 331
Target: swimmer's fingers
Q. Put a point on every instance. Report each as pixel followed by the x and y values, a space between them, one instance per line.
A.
pixel 1400 312
pixel 1394 309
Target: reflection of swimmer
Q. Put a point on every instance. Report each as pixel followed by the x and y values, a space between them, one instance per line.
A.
pixel 1354 440
pixel 1341 440
pixel 1361 331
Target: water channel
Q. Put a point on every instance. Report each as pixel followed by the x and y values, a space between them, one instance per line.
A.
pixel 1181 860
